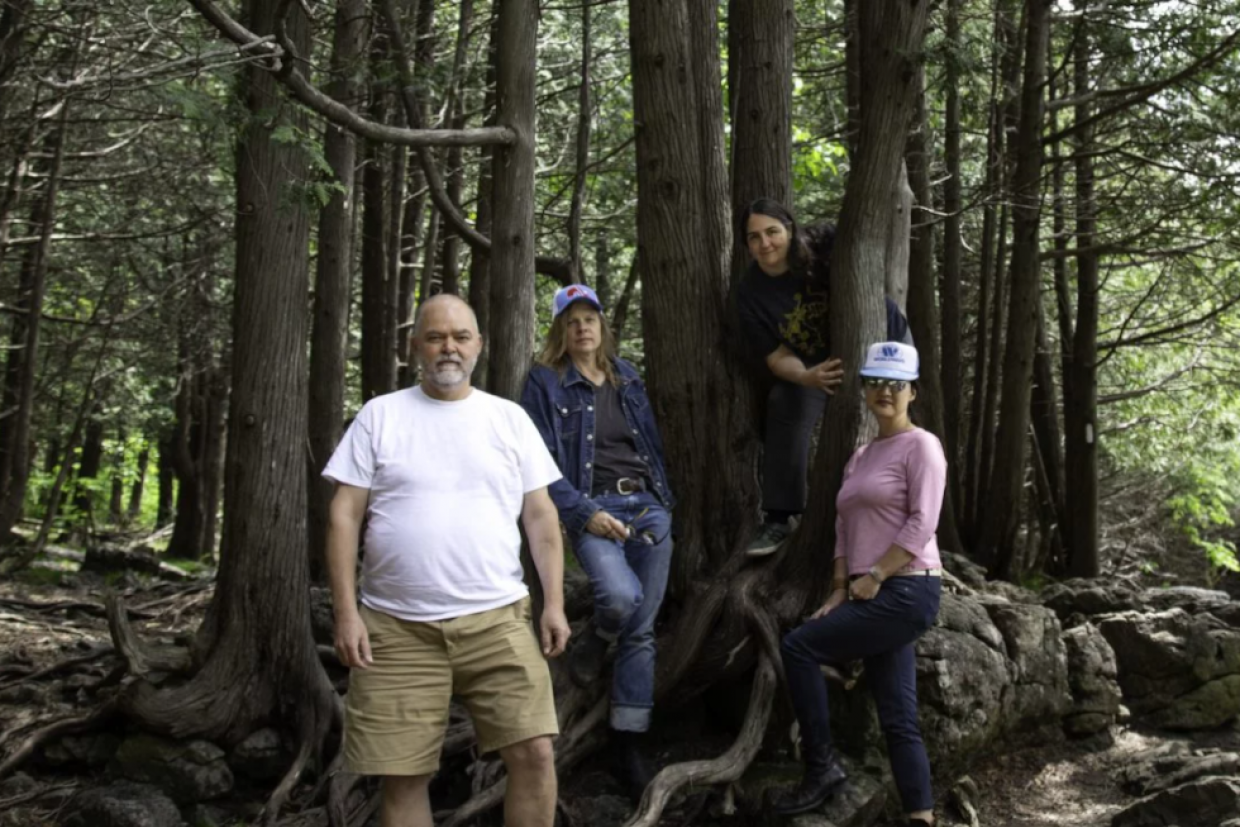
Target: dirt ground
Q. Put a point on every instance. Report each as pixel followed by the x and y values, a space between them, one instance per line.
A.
pixel 43 623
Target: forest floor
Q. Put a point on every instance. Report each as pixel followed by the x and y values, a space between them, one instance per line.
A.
pixel 48 619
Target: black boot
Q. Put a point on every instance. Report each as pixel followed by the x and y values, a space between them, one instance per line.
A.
pixel 823 776
pixel 585 661
pixel 629 764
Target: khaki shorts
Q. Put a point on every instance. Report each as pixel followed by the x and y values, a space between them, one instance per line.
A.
pixel 396 710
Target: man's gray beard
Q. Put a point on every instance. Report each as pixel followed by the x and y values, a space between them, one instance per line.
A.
pixel 446 376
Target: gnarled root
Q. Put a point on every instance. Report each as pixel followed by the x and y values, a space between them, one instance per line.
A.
pixel 728 767
pixel 66 726
pixel 141 661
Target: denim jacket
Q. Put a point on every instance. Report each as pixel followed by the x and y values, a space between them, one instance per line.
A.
pixel 563 411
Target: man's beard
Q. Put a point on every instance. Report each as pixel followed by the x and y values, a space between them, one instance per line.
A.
pixel 447 373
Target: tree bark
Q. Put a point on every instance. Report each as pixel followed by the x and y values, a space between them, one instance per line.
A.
pixel 1080 373
pixel 329 333
pixel 90 462
pixel 760 58
pixel 258 660
pixel 584 120
pixel 167 478
pixel 116 502
pixel 684 256
pixel 139 483
pixel 1007 480
pixel 890 37
pixel 923 312
pixel 378 348
pixel 480 260
pixel 950 372
pixel 512 237
pixel 15 435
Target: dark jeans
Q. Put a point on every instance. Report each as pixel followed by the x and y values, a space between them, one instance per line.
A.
pixel 791 413
pixel 628 580
pixel 882 632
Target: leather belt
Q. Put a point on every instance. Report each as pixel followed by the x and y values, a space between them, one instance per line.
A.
pixel 624 486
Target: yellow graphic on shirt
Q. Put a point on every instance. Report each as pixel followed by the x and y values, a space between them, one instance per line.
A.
pixel 804 327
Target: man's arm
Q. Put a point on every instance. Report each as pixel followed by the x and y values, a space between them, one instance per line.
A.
pixel 542 526
pixel 348 509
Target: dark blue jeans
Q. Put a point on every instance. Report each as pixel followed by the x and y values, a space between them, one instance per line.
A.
pixel 881 632
pixel 628 580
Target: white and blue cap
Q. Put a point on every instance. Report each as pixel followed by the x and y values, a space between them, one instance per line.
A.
pixel 574 293
pixel 891 360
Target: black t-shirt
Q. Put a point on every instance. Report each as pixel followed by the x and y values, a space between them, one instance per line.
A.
pixel 615 450
pixel 783 310
pixel 789 310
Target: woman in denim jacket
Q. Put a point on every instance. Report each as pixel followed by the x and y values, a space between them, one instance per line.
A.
pixel 593 413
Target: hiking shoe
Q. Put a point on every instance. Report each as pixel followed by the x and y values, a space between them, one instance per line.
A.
pixel 817 785
pixel 630 765
pixel 585 661
pixel 768 539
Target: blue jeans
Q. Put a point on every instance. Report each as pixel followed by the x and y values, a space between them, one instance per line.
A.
pixel 628 580
pixel 881 632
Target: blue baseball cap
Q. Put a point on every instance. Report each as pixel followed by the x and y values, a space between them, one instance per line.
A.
pixel 891 360
pixel 574 293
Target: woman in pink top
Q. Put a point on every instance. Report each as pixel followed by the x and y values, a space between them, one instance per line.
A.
pixel 884 594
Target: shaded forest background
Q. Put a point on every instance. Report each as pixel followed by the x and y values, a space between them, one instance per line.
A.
pixel 216 223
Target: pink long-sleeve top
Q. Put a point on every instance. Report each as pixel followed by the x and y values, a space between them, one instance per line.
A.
pixel 892 493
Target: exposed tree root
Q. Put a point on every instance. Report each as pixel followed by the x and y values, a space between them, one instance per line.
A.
pixel 141 661
pixel 62 666
pixel 65 726
pixel 94 609
pixel 279 796
pixel 727 767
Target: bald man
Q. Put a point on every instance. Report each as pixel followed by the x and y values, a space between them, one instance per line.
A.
pixel 441 472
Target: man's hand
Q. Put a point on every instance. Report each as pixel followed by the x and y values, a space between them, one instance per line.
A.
pixel 554 631
pixel 825 375
pixel 605 525
pixel 864 588
pixel 353 641
pixel 837 598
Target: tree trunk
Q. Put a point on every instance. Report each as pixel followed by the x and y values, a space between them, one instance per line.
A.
pixel 116 502
pixel 378 350
pixel 1007 480
pixel 90 462
pixel 923 312
pixel 950 372
pixel 1044 414
pixel 1080 375
pixel 890 39
pixel 480 261
pixel 18 397
pixel 329 334
pixel 258 661
pixel 167 478
pixel 139 482
pixel 683 256
pixel 895 281
pixel 760 57
pixel 512 236
pixel 584 120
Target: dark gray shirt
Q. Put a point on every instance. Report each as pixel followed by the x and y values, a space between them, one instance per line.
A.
pixel 615 451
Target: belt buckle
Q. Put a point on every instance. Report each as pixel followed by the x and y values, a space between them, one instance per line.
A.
pixel 625 482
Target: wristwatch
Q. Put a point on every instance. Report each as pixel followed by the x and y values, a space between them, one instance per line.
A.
pixel 877 574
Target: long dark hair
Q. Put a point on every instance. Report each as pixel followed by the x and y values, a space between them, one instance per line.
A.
pixel 809 248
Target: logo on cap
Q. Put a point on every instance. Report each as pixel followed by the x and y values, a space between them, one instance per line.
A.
pixel 574 291
pixel 889 351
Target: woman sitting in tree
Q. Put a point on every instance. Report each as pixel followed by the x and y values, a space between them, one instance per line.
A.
pixel 884 592
pixel 782 303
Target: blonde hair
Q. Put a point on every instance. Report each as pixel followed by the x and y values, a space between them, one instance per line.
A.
pixel 555 352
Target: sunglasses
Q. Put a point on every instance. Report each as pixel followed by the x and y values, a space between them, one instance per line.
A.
pixel 893 385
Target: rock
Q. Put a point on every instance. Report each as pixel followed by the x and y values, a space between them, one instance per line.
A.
pixel 1089 597
pixel 858 802
pixel 961 799
pixel 962 669
pixel 123 804
pixel 92 750
pixel 1176 671
pixel 1163 769
pixel 965 569
pixel 261 756
pixel 1039 694
pixel 188 771
pixel 1202 803
pixel 1092 681
pixel 1189 598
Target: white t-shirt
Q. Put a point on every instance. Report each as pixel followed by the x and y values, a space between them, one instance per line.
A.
pixel 447 481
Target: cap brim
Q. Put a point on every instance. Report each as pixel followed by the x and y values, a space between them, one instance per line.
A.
pixel 884 373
